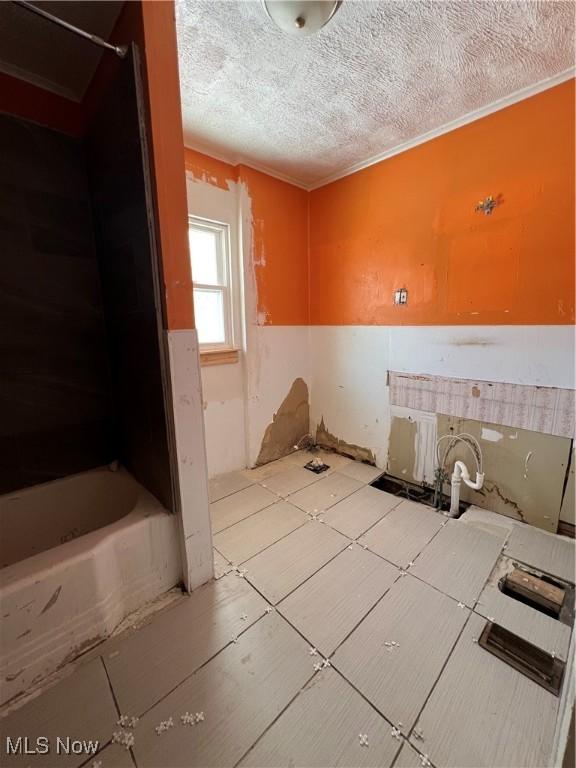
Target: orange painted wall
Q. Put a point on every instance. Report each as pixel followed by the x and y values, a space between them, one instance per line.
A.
pixel 279 248
pixel 279 237
pixel 209 169
pixel 163 87
pixel 151 25
pixel 409 222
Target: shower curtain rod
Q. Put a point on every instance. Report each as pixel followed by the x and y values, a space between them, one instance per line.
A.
pixel 119 50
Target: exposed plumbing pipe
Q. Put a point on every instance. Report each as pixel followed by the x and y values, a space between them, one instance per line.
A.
pixel 441 475
pixel 460 473
pixel 119 50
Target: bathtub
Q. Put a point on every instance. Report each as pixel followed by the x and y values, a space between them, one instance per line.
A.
pixel 77 555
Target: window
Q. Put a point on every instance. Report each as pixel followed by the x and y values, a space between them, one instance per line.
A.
pixel 211 271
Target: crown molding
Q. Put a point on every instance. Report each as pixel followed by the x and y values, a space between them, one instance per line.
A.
pixel 477 114
pixel 236 159
pixel 470 117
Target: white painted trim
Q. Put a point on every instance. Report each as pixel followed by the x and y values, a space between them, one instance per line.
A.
pixel 188 413
pixel 470 117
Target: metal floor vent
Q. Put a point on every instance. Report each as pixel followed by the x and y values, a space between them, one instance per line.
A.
pixel 544 668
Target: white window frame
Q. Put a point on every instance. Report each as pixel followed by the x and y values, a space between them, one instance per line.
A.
pixel 226 287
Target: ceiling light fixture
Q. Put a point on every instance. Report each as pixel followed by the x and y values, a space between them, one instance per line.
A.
pixel 301 17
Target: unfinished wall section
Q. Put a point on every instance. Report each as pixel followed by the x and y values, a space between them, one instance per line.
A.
pixel 289 425
pixel 245 402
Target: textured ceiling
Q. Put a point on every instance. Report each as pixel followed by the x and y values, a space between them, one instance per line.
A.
pixel 36 50
pixel 378 75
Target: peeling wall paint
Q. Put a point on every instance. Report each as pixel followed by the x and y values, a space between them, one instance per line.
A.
pixel 289 425
pixel 240 399
pixel 278 247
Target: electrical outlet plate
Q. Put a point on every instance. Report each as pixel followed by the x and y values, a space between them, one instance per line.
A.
pixel 401 296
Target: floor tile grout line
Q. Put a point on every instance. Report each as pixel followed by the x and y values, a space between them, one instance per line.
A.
pixel 338 671
pixel 278 604
pixel 307 578
pixel 227 495
pixel 360 535
pixel 386 718
pixel 223 556
pixel 430 540
pixel 405 742
pixel 267 546
pixel 112 691
pixel 295 466
pixel 301 583
pixel 284 498
pixel 118 712
pixel 215 533
pixel 448 657
pixel 278 499
pixel 200 666
pixel 275 542
pixel 379 519
pixel 289 465
pixel 423 548
pixel 275 720
pixel 407 570
pixel 368 612
pixel 322 511
pixel 298 693
pixel 397 754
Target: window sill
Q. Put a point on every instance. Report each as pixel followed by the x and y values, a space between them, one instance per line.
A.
pixel 219 357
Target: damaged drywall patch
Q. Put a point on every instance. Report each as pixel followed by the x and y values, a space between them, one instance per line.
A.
pixel 288 426
pixel 326 439
pixel 402 448
pixel 524 475
pixel 493 435
pixel 411 447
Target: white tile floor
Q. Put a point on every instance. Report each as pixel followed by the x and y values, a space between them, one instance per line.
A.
pixel 339 631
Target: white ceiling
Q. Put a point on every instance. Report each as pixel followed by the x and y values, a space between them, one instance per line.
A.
pixel 378 76
pixel 42 53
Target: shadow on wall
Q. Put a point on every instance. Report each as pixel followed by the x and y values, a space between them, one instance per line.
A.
pixel 288 426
